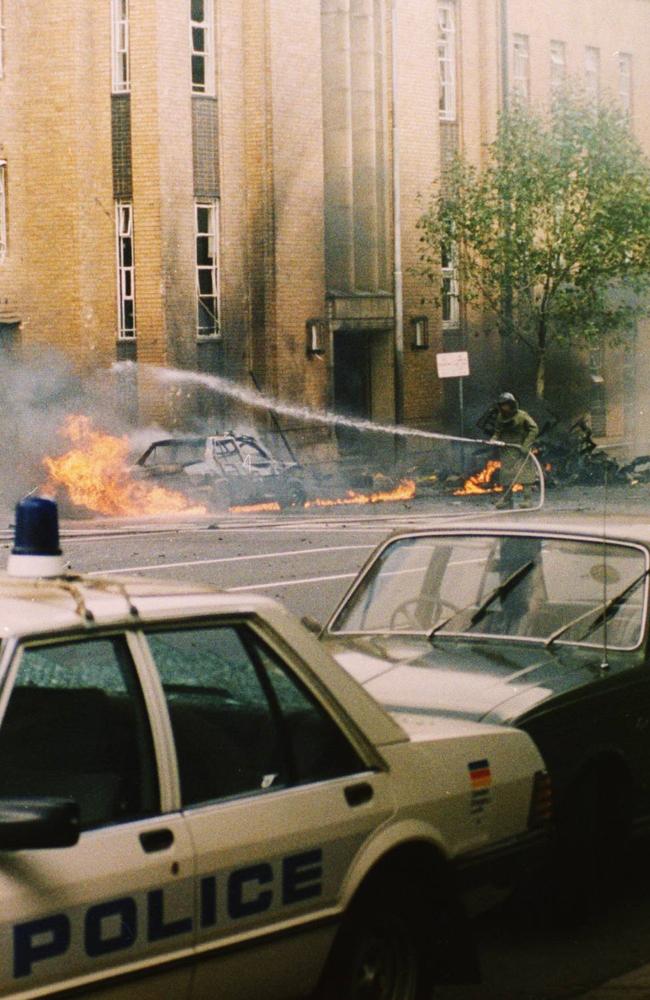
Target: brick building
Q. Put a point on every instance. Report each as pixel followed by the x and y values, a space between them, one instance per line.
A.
pixel 231 186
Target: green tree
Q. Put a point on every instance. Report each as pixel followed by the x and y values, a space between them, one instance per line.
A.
pixel 552 235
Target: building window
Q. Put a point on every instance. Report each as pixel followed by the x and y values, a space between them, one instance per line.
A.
pixel 202 46
pixel 558 67
pixel 625 81
pixel 592 75
pixel 3 210
pixel 2 38
pixel 125 270
pixel 521 68
pixel 597 402
pixel 449 291
pixel 120 46
pixel 207 268
pixel 447 59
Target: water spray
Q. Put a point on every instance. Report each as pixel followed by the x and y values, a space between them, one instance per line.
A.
pixel 253 398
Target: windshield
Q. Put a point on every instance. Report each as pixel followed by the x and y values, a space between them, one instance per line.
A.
pixel 544 589
pixel 175 453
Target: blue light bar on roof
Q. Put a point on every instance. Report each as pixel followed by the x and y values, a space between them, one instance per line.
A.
pixel 36 551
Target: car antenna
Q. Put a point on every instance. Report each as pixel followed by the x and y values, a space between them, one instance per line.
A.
pixel 604 664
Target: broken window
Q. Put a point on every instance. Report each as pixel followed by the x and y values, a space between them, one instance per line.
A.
pixel 202 46
pixel 207 268
pixel 120 46
pixel 125 270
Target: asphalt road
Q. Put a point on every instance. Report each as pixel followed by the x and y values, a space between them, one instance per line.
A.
pixel 308 569
pixel 528 952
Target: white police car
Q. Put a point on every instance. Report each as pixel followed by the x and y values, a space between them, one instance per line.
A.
pixel 197 802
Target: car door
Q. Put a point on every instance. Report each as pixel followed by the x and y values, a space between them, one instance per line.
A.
pixel 112 908
pixel 277 800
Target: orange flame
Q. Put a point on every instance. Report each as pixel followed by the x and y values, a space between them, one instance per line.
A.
pixel 405 491
pixel 96 476
pixel 481 482
pixel 250 508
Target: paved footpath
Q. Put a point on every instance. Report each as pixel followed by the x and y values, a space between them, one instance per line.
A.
pixel 632 986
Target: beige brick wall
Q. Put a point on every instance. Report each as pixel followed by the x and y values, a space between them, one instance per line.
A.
pixel 297 150
pixel 59 276
pixel 60 268
pixel 419 139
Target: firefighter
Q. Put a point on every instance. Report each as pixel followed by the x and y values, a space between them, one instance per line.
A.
pixel 515 426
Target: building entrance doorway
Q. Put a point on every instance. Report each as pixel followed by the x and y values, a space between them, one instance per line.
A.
pixel 352 383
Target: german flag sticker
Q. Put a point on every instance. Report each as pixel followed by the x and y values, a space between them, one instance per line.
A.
pixel 480 777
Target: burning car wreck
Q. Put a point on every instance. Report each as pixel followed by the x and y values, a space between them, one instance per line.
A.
pixel 225 469
pixel 195 474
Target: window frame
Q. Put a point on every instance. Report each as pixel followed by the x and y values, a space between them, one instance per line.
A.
pixel 625 81
pixel 4 249
pixel 369 757
pixel 481 533
pixel 449 288
pixel 2 39
pixel 558 67
pixel 207 89
pixel 447 43
pixel 157 738
pixel 125 272
pixel 592 73
pixel 521 67
pixel 120 47
pixel 214 269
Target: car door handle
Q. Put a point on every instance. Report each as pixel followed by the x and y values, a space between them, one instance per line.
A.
pixel 156 840
pixel 356 795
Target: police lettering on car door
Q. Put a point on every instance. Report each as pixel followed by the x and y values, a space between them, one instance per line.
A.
pixel 135 921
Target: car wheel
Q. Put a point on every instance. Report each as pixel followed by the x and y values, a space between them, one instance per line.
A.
pixel 379 953
pixel 293 494
pixel 222 497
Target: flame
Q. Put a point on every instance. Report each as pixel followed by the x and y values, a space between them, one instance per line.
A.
pixel 249 508
pixel 481 482
pixel 404 491
pixel 95 474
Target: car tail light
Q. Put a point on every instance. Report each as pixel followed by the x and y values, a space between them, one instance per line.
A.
pixel 541 803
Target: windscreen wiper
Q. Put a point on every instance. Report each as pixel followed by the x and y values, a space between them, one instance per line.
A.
pixel 603 613
pixel 501 591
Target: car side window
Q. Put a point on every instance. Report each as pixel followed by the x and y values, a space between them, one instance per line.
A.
pixel 242 723
pixel 227 740
pixel 319 749
pixel 76 726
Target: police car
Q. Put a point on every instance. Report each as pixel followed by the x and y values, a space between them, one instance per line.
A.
pixel 196 801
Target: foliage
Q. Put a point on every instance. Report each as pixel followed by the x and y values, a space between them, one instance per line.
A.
pixel 552 234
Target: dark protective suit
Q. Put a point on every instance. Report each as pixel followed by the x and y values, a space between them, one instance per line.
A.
pixel 519 429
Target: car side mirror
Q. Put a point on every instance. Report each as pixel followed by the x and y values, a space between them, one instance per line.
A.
pixel 311 624
pixel 31 823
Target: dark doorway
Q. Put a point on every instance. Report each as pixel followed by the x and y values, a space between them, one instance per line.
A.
pixel 9 337
pixel 352 386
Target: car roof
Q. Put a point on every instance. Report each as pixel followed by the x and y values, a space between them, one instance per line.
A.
pixel 30 606
pixel 614 527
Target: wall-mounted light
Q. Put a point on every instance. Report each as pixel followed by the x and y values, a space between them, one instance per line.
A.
pixel 420 333
pixel 315 331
